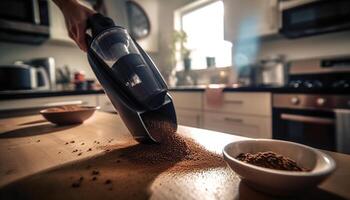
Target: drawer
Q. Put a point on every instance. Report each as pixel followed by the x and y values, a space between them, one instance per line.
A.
pixel 191 100
pixel 248 126
pixel 105 104
pixel 48 102
pixel 257 103
pixel 189 118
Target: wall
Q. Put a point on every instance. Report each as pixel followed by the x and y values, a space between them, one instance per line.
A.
pixel 64 54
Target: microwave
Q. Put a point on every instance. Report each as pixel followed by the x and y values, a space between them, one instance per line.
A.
pixel 24 21
pixel 302 18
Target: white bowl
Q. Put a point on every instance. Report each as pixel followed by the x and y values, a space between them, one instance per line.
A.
pixel 279 182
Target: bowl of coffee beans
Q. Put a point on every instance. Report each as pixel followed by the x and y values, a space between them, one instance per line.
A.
pixel 278 167
pixel 70 114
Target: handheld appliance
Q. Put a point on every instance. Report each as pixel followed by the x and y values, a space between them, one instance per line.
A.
pixel 131 80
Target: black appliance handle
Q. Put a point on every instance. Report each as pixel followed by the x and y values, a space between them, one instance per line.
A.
pixel 307 119
pixel 95 24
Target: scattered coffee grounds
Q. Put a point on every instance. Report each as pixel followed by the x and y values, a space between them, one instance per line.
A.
pixel 82 143
pixel 94 178
pixel 183 153
pixel 38 141
pixel 78 182
pixel 66 143
pixel 89 149
pixel 72 141
pixel 76 150
pixel 79 154
pixel 108 181
pixel 59 152
pixel 159 129
pixel 95 172
pixel 270 160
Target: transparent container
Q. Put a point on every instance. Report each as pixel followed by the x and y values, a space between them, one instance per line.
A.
pixel 116 48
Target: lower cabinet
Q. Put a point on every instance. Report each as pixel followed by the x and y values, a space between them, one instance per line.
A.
pixel 191 118
pixel 244 125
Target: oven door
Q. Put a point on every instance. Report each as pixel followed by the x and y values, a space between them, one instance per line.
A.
pixel 315 17
pixel 309 127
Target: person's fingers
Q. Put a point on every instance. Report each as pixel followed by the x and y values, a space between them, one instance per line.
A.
pixel 81 37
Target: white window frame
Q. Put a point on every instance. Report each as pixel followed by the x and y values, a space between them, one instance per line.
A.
pixel 179 13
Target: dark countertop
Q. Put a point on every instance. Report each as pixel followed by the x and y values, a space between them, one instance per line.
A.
pixel 7 95
pixel 278 90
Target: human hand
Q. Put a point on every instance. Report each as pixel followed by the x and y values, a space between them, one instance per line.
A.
pixel 76 16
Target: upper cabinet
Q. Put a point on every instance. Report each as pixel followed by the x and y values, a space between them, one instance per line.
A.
pixel 250 18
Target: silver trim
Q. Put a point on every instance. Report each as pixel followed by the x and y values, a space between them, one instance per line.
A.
pixel 311 101
pixel 307 119
pixel 36 11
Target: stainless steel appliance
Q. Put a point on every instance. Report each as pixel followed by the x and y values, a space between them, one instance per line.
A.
pixel 25 21
pixel 312 17
pixel 307 111
pixel 271 72
pixel 23 77
pixel 131 80
pixel 49 66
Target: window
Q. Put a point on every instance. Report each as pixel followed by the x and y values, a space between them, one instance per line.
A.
pixel 204 26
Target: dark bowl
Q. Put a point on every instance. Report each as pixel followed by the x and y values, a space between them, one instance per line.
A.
pixel 69 116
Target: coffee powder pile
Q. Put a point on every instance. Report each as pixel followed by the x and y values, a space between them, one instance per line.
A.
pixel 270 160
pixel 173 149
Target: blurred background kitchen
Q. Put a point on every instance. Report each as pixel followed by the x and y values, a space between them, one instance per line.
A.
pixel 258 68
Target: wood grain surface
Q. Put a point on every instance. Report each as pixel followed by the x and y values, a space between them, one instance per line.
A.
pixel 38 161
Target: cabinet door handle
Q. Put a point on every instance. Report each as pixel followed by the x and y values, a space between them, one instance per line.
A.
pixel 235 120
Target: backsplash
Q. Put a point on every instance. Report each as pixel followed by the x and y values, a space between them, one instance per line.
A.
pixel 64 54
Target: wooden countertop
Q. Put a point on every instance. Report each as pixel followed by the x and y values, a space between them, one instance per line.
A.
pixel 36 162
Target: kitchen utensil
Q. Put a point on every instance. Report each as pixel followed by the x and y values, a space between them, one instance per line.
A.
pixel 277 181
pixel 48 63
pixel 131 80
pixel 66 117
pixel 271 72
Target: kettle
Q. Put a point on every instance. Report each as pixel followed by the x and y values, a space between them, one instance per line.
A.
pixel 131 80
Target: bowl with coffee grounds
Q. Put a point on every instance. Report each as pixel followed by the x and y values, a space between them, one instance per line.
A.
pixel 278 167
pixel 70 114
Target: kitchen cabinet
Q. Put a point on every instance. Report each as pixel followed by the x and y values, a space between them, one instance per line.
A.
pixel 243 113
pixel 248 103
pixel 189 108
pixel 243 125
pixel 249 19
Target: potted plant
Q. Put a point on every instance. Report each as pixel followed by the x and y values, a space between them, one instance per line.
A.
pixel 179 49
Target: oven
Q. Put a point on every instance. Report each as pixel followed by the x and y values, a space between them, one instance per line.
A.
pixel 310 119
pixel 312 17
